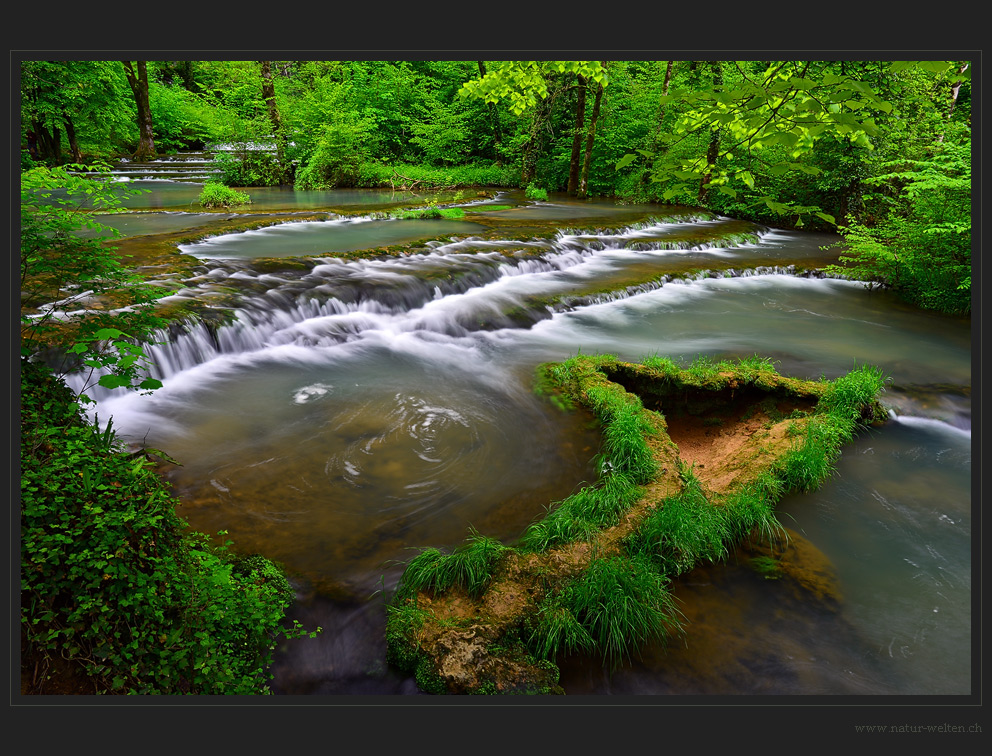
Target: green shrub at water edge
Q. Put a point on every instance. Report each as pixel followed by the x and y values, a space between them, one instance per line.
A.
pixel 113 585
pixel 535 192
pixel 218 195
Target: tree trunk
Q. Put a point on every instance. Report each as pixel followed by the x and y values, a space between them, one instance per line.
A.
pixel 580 120
pixel 535 143
pixel 47 144
pixel 493 116
pixel 139 87
pixel 269 95
pixel 656 138
pixel 70 132
pixel 590 137
pixel 713 151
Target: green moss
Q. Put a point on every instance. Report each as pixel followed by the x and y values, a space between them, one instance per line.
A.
pixel 768 567
pixel 619 602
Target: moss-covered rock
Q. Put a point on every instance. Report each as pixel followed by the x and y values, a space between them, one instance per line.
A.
pixel 694 459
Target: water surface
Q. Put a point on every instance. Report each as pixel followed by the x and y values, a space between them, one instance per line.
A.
pixel 357 410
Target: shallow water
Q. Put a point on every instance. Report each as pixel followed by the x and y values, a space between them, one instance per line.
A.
pixel 361 409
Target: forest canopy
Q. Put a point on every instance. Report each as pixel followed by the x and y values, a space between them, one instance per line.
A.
pixel 878 149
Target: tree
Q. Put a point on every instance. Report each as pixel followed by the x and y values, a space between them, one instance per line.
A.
pixel 580 114
pixel 138 80
pixel 583 190
pixel 525 87
pixel 86 101
pixel 769 116
pixel 278 132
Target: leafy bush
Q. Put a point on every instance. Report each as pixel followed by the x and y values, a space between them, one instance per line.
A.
pixel 922 248
pixel 113 586
pixel 535 192
pixel 218 195
pixel 249 168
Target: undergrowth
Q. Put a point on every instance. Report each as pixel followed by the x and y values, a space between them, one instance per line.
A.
pixel 116 592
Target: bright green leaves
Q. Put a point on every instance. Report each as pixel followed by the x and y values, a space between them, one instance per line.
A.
pixel 922 247
pixel 60 264
pixel 112 580
pixel 522 83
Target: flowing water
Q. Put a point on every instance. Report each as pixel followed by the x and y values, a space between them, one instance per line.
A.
pixel 355 410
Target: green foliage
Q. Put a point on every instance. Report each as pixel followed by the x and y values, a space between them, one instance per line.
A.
pixel 750 510
pixel 847 404
pixel 922 247
pixel 248 167
pixel 182 119
pixel 534 192
pixel 616 606
pixel 111 581
pixel 480 174
pixel 340 149
pixel 683 530
pixel 60 265
pixel 445 138
pixel 216 195
pixel 403 621
pixel 851 397
pixel 431 210
pixel 523 82
pixel 90 98
pixel 470 566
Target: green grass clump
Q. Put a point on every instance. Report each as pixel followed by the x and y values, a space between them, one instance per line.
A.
pixel 583 514
pixel 749 511
pixel 432 211
pixel 616 606
pixel 850 396
pixel 487 208
pixel 217 195
pixel 811 461
pixel 470 566
pixel 535 192
pixel 682 531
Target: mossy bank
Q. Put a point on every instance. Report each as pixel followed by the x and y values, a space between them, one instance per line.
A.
pixel 693 461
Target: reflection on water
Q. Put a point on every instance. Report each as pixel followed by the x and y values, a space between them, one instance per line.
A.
pixel 362 409
pixel 322 237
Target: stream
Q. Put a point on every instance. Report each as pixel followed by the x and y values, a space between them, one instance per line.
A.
pixel 356 410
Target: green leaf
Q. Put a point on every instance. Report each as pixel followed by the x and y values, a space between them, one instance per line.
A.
pixel 107 334
pixel 112 381
pixel 626 160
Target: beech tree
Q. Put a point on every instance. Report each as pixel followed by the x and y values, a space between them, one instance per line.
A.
pixel 138 79
pixel 278 132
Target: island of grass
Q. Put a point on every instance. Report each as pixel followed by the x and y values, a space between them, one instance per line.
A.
pixel 693 461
